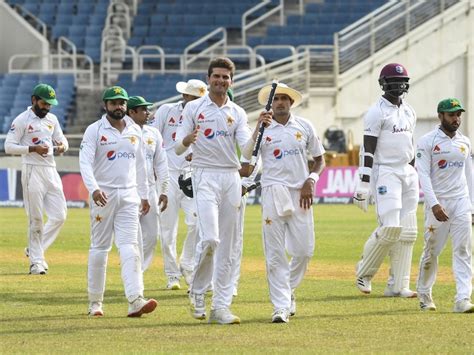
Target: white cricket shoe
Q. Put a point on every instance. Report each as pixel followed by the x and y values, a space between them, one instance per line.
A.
pixel 37 269
pixel 426 302
pixel 223 316
pixel 198 305
pixel 27 254
pixel 364 285
pixel 404 293
pixel 463 306
pixel 173 283
pixel 293 304
pixel 187 274
pixel 141 306
pixel 95 309
pixel 281 316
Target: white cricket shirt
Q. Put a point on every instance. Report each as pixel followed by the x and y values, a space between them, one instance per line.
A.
pixel 167 119
pixel 27 130
pixel 284 152
pixel 155 157
pixel 109 159
pixel 393 126
pixel 219 129
pixel 444 166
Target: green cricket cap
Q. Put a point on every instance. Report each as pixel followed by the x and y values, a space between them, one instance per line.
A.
pixel 135 101
pixel 46 93
pixel 115 92
pixel 450 105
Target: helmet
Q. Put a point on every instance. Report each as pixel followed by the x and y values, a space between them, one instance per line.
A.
pixel 184 181
pixel 393 79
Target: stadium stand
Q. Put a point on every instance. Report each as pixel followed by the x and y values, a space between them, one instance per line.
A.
pixel 81 21
pixel 15 96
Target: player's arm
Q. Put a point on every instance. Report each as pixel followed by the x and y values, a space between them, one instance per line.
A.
pixel 160 165
pixel 468 173
pixel 187 132
pixel 13 141
pixel 60 142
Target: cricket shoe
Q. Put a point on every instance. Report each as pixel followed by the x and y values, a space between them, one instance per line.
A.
pixel 281 316
pixel 187 274
pixel 426 302
pixel 364 285
pixel 293 304
pixel 95 309
pixel 404 293
pixel 37 269
pixel 141 306
pixel 223 316
pixel 27 254
pixel 463 306
pixel 198 305
pixel 173 283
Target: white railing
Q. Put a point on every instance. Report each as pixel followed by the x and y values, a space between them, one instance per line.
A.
pixel 120 19
pixel 381 27
pixel 321 64
pixel 189 58
pixel 152 52
pixel 246 26
pixel 35 21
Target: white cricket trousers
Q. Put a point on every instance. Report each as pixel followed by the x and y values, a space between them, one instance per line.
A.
pixel 169 219
pixel 148 229
pixel 218 195
pixel 42 193
pixel 459 226
pixel 239 245
pixel 293 234
pixel 119 219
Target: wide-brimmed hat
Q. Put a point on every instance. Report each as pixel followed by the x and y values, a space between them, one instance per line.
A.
pixel 136 101
pixel 46 93
pixel 281 89
pixel 193 87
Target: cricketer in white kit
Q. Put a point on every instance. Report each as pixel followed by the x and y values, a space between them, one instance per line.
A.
pixel 167 119
pixel 214 124
pixel 36 135
pixel 113 168
pixel 444 165
pixel 157 173
pixel 287 197
pixel 387 173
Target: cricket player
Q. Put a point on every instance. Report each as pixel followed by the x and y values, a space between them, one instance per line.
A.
pixel 214 124
pixel 113 168
pixel 157 170
pixel 287 197
pixel 167 119
pixel 387 173
pixel 445 171
pixel 36 135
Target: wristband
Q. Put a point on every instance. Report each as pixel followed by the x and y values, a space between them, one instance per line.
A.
pixel 314 177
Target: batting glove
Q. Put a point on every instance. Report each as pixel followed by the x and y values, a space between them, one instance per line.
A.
pixel 362 195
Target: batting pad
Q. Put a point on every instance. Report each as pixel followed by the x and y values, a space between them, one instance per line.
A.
pixel 385 238
pixel 401 265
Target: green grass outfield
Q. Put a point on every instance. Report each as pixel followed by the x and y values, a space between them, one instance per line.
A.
pixel 48 314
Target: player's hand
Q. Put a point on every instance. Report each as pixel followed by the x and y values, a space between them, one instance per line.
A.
pixel 99 198
pixel 41 149
pixel 306 195
pixel 265 118
pixel 362 195
pixel 189 157
pixel 144 207
pixel 163 202
pixel 439 213
pixel 58 147
pixel 191 138
pixel 244 190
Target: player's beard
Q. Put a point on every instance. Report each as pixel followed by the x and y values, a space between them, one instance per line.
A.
pixel 40 112
pixel 452 128
pixel 116 115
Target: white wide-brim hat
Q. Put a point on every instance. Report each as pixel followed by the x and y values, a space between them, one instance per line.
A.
pixel 281 89
pixel 193 87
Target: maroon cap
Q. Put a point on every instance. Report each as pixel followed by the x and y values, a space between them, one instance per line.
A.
pixel 393 70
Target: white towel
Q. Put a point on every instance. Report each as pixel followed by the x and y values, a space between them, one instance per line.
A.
pixel 282 199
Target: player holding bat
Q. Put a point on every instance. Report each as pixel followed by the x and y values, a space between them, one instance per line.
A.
pixel 287 196
pixel 213 124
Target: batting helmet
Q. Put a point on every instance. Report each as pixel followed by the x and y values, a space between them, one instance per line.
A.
pixel 185 183
pixel 393 79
